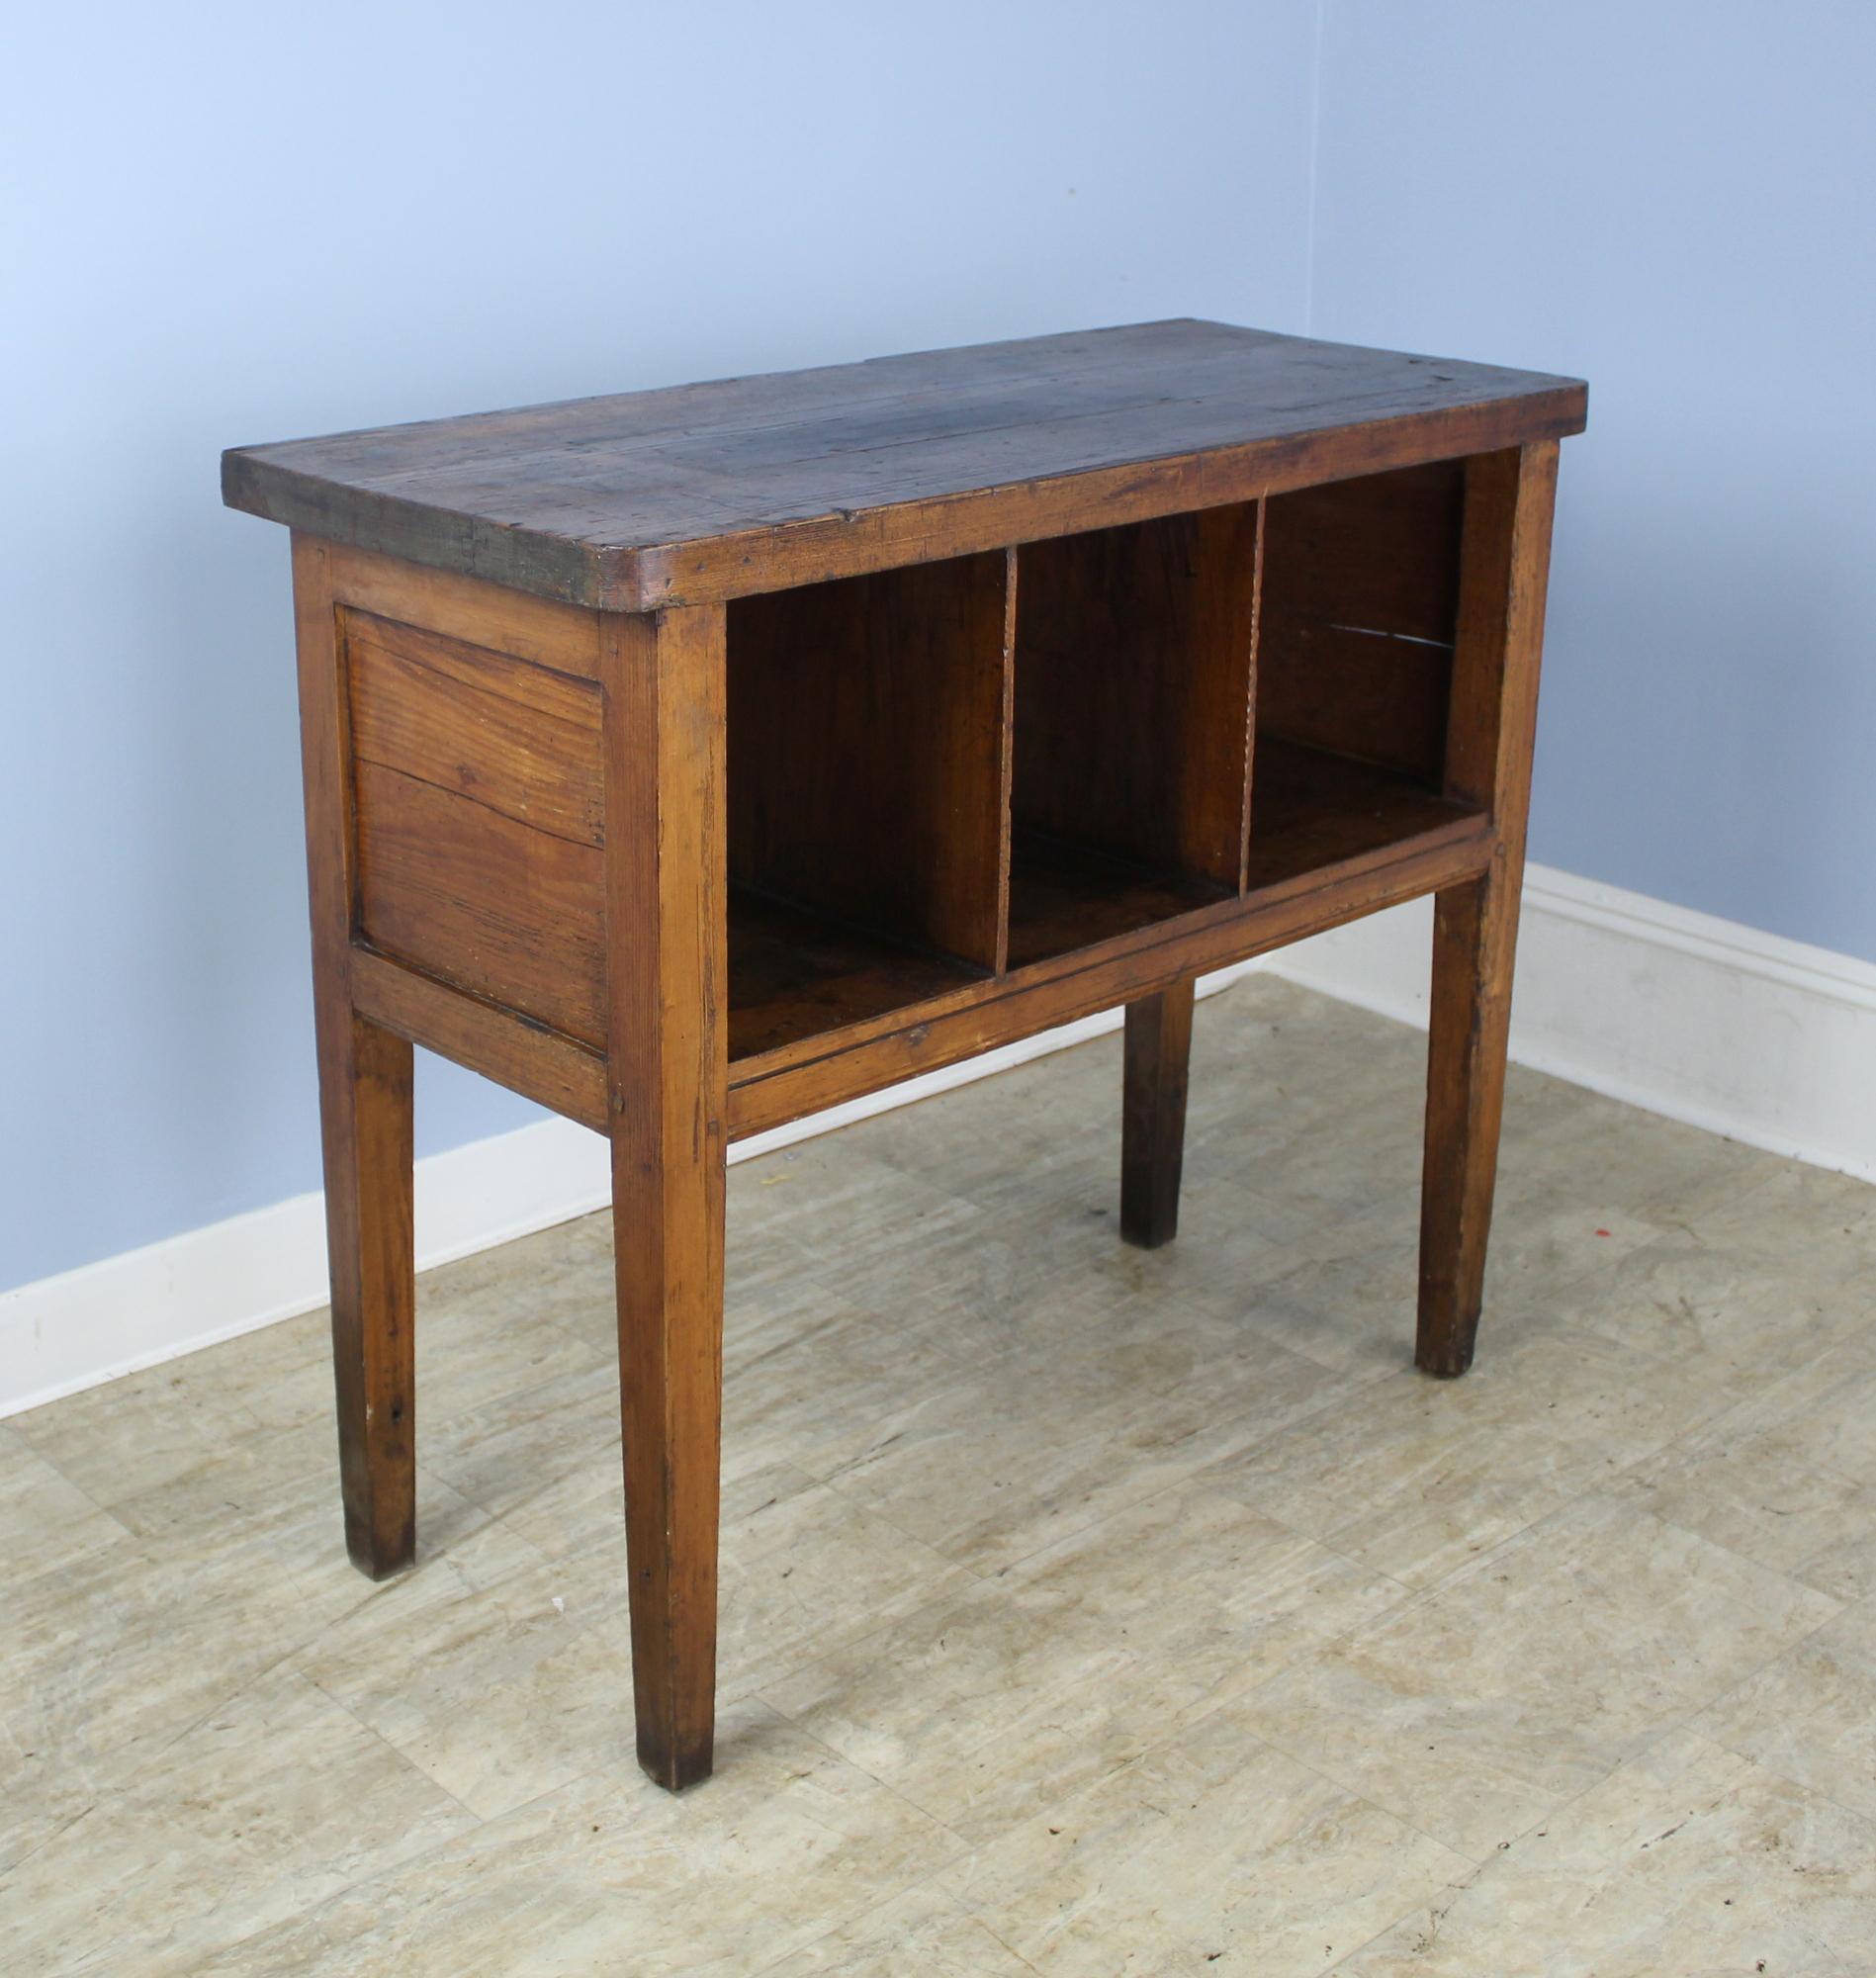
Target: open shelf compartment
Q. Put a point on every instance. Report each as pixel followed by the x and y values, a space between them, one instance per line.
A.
pixel 1133 714
pixel 869 739
pixel 1357 622
pixel 945 773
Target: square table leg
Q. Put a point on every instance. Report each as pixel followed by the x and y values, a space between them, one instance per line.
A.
pixel 1158 1050
pixel 365 1130
pixel 663 677
pixel 1490 731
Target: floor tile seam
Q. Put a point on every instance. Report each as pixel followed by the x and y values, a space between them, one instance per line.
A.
pixel 401 1757
pixel 369 1875
pixel 90 1496
pixel 1712 1735
pixel 364 1601
pixel 11 1870
pixel 1683 1720
pixel 1131 1503
pixel 963 1755
pixel 854 1504
pixel 1789 1579
pixel 600 1775
pixel 534 1327
pixel 1739 1404
pixel 1745 1386
pixel 1328 1539
pixel 1476 1863
pixel 1419 1596
pixel 138 1760
pixel 501 1514
pixel 60 1569
pixel 1358 1793
pixel 124 1792
pixel 1001 1941
pixel 1738 1387
pixel 1452 1890
pixel 1797 1463
pixel 860 1917
pixel 466 1419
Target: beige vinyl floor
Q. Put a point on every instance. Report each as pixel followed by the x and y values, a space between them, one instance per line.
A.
pixel 1084 1610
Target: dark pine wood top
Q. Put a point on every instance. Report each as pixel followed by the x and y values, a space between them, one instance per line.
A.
pixel 707 491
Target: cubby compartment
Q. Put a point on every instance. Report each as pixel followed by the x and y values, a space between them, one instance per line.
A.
pixel 943 773
pixel 868 739
pixel 1133 716
pixel 1356 628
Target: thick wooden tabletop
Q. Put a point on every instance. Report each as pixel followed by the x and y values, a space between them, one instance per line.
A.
pixel 707 491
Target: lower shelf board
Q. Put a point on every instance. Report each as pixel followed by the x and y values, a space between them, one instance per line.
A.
pixel 1310 810
pixel 795 975
pixel 1064 896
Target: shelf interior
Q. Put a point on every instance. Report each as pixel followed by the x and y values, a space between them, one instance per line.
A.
pixel 941 773
pixel 867 748
pixel 795 974
pixel 1065 894
pixel 1132 697
pixel 1310 809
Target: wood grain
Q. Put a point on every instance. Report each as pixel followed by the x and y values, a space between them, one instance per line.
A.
pixel 483 725
pixel 707 491
pixel 365 1120
pixel 1132 691
pixel 466 894
pixel 1360 601
pixel 452 605
pixel 1488 754
pixel 541 1063
pixel 667 1077
pixel 867 741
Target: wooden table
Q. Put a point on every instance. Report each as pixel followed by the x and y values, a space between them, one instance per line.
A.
pixel 693 760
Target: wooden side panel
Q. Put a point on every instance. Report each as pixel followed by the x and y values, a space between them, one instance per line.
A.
pixel 1132 689
pixel 479 816
pixel 868 745
pixel 1360 603
pixel 518 738
pixel 490 905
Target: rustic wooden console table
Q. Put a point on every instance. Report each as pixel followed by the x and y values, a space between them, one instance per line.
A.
pixel 692 760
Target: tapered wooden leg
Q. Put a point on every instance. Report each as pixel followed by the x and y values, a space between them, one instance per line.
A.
pixel 1490 730
pixel 365 1127
pixel 1475 939
pixel 1153 1115
pixel 668 1082
pixel 365 1111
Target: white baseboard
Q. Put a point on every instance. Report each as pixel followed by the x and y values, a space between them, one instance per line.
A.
pixel 1744 1034
pixel 1703 1021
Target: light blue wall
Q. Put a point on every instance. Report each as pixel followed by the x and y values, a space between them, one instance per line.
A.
pixel 246 223
pixel 1678 203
